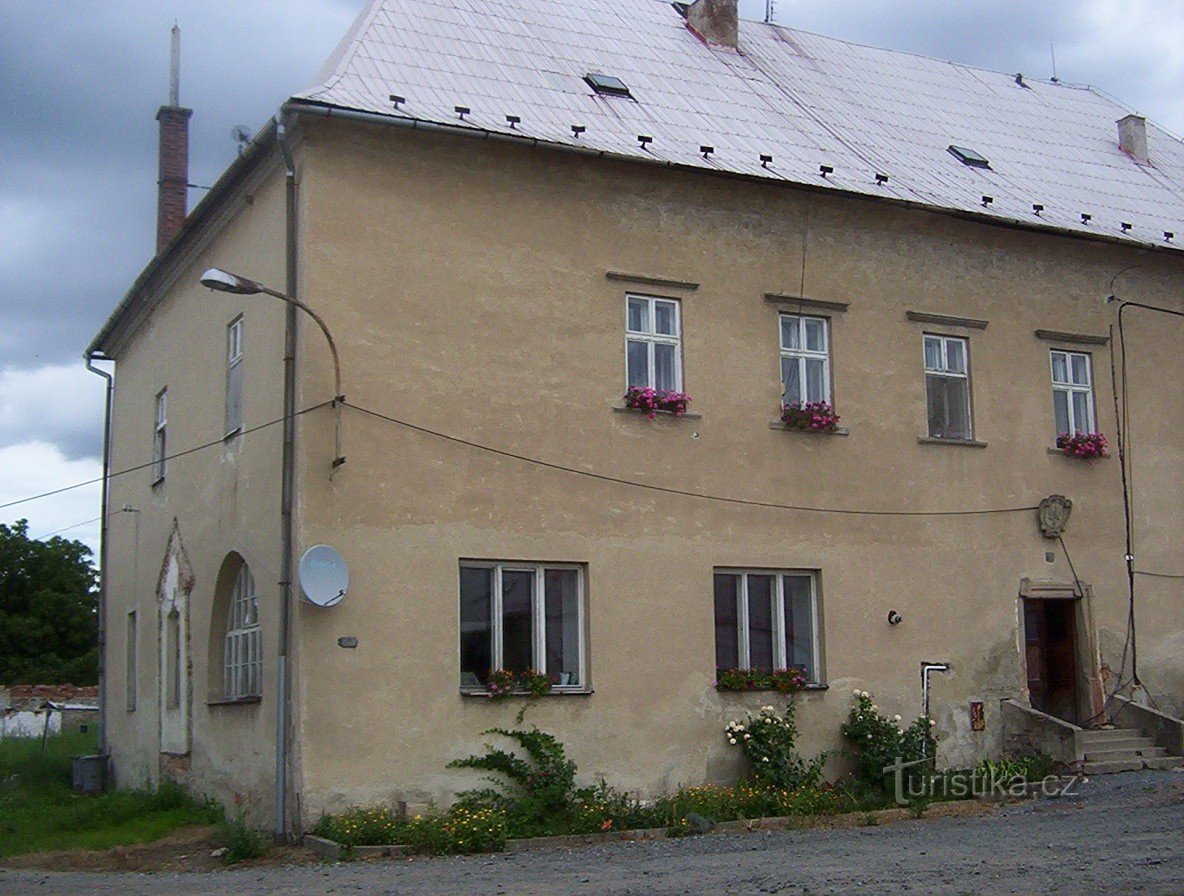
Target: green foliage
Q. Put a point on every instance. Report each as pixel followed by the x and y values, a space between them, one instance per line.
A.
pixel 460 830
pixel 1032 768
pixel 769 740
pixel 877 742
pixel 241 841
pixel 536 794
pixel 48 604
pixel 786 681
pixel 38 810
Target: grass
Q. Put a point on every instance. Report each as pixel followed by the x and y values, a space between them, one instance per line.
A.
pixel 39 811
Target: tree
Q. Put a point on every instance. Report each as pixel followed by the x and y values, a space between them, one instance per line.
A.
pixel 48 610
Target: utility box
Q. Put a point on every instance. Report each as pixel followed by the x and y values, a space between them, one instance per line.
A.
pixel 89 773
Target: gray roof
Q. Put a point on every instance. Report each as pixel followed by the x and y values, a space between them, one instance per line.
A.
pixel 805 100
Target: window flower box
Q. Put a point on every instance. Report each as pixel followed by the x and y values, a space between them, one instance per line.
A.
pixel 650 401
pixel 786 681
pixel 1082 445
pixel 812 416
pixel 503 683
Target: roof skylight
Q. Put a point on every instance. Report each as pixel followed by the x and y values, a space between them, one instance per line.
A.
pixel 607 85
pixel 969 157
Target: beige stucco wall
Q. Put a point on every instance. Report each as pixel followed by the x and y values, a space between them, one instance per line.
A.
pixel 220 499
pixel 465 284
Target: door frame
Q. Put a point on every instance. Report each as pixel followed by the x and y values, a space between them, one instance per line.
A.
pixel 1090 698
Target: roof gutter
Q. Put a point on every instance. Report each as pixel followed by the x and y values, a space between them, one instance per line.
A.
pixel 311 108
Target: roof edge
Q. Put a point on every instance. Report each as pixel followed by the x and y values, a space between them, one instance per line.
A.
pixel 203 213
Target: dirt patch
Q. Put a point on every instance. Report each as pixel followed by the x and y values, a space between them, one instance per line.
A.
pixel 185 849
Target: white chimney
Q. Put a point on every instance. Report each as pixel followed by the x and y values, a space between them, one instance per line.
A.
pixel 716 21
pixel 1132 137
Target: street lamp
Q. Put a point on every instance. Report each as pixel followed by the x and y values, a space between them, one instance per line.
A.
pixel 224 281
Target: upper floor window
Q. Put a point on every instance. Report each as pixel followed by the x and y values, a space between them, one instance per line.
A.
pixel 243 656
pixel 159 441
pixel 518 617
pixel 653 334
pixel 1072 392
pixel 234 376
pixel 766 621
pixel 805 359
pixel 947 387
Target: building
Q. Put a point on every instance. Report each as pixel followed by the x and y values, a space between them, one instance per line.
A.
pixel 507 212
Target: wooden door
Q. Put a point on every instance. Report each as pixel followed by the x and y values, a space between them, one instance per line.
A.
pixel 1051 652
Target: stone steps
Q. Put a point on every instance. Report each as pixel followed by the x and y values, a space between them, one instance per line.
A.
pixel 1108 750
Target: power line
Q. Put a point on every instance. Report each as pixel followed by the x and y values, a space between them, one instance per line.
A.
pixel 67 528
pixel 707 496
pixel 187 451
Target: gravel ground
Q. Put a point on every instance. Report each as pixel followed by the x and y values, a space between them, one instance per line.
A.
pixel 1121 834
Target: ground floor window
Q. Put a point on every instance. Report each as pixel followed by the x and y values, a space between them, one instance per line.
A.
pixel 520 616
pixel 767 620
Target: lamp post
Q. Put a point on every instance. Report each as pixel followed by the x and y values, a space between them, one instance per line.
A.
pixel 224 281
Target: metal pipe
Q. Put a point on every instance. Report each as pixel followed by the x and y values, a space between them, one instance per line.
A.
pixel 101 633
pixel 926 669
pixel 287 485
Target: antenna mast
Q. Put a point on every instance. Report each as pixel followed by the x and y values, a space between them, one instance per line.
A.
pixel 1052 48
pixel 770 12
pixel 175 68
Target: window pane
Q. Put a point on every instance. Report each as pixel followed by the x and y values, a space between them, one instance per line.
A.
pixel 476 611
pixel 727 654
pixel 760 623
pixel 815 380
pixel 1060 406
pixel 666 367
pixel 665 319
pixel 1080 369
pixel 956 356
pixel 562 609
pixel 799 622
pixel 1060 368
pixel 790 332
pixel 932 353
pixel 517 645
pixel 791 377
pixel 639 316
pixel 234 397
pixel 949 407
pixel 1081 414
pixel 638 363
pixel 815 334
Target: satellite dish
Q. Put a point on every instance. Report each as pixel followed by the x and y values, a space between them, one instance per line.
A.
pixel 324 577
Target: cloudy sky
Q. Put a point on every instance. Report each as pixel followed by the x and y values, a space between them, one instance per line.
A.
pixel 83 80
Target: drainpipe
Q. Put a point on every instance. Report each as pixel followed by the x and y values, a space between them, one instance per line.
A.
pixel 101 634
pixel 926 670
pixel 287 480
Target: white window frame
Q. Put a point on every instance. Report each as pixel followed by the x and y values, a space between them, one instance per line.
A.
pixel 946 373
pixel 651 338
pixel 242 660
pixel 780 647
pixel 1070 389
pixel 538 617
pixel 801 355
pixel 159 436
pixel 234 360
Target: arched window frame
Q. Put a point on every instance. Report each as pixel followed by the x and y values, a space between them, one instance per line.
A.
pixel 242 663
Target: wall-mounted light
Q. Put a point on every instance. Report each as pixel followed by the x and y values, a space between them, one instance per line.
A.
pixel 894 618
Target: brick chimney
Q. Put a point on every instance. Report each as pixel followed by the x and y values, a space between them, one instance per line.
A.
pixel 173 181
pixel 716 21
pixel 1132 137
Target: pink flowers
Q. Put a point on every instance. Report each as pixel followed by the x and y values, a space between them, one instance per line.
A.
pixel 650 401
pixel 1083 445
pixel 814 416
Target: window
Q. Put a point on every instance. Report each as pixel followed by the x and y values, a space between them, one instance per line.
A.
pixel 158 436
pixel 130 670
pixel 173 659
pixel 242 658
pixel 947 387
pixel 652 354
pixel 607 85
pixel 234 376
pixel 1072 392
pixel 516 616
pixel 805 359
pixel 766 621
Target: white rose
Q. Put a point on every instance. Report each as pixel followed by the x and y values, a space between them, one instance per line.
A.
pixel 896 718
pixel 932 723
pixel 748 737
pixel 855 693
pixel 766 759
pixel 731 740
